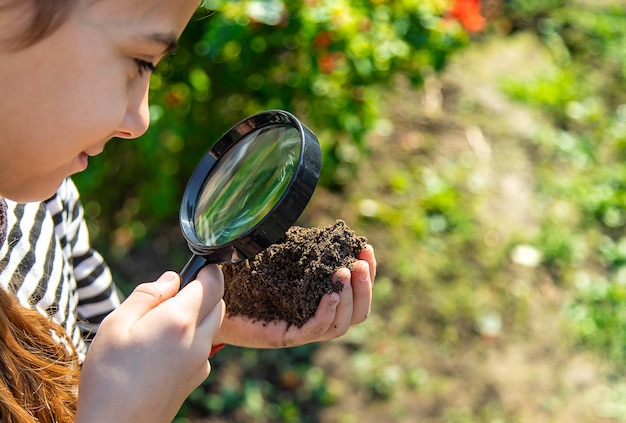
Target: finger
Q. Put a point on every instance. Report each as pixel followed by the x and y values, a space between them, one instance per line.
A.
pixel 316 328
pixel 199 349
pixel 362 292
pixel 201 373
pixel 211 276
pixel 147 296
pixel 367 254
pixel 343 316
pixel 200 296
pixel 210 325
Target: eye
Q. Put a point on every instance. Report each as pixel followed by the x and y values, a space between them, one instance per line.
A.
pixel 145 66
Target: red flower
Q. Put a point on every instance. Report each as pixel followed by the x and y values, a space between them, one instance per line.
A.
pixel 328 62
pixel 467 12
pixel 322 40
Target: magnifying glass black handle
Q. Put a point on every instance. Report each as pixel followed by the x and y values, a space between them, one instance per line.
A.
pixel 191 269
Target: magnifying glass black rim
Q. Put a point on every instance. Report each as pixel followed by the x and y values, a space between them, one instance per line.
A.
pixel 282 216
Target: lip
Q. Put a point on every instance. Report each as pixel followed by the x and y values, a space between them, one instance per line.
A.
pixel 93 151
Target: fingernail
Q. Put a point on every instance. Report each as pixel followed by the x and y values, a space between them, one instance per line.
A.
pixel 365 276
pixel 339 284
pixel 341 277
pixel 168 277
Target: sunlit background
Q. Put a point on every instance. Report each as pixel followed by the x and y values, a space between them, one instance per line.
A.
pixel 479 147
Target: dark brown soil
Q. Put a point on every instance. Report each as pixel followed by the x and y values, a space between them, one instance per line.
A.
pixel 288 279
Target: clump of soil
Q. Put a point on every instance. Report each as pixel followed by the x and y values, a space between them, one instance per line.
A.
pixel 288 279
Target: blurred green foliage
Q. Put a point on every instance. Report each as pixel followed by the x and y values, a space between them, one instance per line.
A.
pixel 277 385
pixel 446 281
pixel 326 61
pixel 584 96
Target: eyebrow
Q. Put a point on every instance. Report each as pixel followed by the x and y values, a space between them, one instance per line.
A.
pixel 167 40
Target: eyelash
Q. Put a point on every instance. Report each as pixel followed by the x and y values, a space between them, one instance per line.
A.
pixel 145 66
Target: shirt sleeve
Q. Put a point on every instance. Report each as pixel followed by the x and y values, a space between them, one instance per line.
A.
pixel 97 294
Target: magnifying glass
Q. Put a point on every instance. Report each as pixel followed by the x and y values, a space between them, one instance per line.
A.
pixel 248 189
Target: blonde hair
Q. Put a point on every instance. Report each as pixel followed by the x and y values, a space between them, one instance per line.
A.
pixel 38 373
pixel 38 365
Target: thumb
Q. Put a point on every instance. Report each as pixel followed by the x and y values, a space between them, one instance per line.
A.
pixel 148 296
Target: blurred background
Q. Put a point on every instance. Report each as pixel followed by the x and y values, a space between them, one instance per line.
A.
pixel 479 146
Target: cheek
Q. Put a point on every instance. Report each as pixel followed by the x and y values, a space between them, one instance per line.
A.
pixel 90 85
pixel 92 100
pixel 56 112
pixel 101 111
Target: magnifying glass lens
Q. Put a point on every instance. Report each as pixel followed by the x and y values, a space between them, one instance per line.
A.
pixel 246 184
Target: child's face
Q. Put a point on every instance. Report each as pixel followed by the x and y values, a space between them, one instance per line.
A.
pixel 63 98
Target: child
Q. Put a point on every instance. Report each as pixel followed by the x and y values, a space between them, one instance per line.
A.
pixel 74 74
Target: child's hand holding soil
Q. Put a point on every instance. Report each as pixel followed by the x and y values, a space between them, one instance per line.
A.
pixel 287 281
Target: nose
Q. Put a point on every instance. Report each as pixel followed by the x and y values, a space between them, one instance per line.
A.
pixel 137 117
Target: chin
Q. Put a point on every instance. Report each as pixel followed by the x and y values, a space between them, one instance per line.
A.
pixel 30 193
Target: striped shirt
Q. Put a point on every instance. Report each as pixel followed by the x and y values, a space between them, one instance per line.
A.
pixel 48 264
